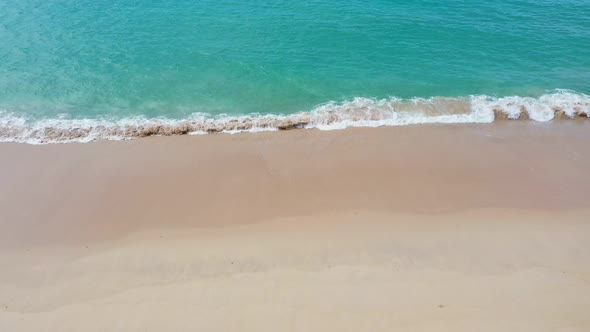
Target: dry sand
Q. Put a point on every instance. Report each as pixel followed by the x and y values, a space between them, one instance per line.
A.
pixel 420 228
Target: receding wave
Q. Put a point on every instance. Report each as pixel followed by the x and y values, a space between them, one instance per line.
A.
pixel 359 112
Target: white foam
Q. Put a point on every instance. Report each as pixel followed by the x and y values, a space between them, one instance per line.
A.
pixel 363 112
pixel 541 109
pixel 359 112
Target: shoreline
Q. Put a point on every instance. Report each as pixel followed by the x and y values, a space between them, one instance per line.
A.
pixel 358 112
pixel 422 228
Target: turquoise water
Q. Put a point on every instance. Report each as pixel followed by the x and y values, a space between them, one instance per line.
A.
pixel 89 59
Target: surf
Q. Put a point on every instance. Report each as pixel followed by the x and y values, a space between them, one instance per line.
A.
pixel 358 112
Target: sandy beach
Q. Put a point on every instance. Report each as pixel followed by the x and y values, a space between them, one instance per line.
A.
pixel 417 228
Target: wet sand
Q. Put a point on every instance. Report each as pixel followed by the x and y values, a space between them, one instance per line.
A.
pixel 418 228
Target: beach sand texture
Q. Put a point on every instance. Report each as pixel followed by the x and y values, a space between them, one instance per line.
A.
pixel 418 228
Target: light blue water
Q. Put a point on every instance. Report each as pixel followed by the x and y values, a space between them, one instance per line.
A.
pixel 120 58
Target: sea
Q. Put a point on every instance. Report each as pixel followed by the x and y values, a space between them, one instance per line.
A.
pixel 85 70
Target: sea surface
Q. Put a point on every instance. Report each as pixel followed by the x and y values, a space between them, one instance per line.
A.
pixel 80 70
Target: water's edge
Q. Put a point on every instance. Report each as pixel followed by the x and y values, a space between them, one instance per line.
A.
pixel 359 112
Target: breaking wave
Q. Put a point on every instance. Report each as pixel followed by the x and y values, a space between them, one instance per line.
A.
pixel 359 112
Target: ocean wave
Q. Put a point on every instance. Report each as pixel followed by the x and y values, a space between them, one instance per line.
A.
pixel 359 112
